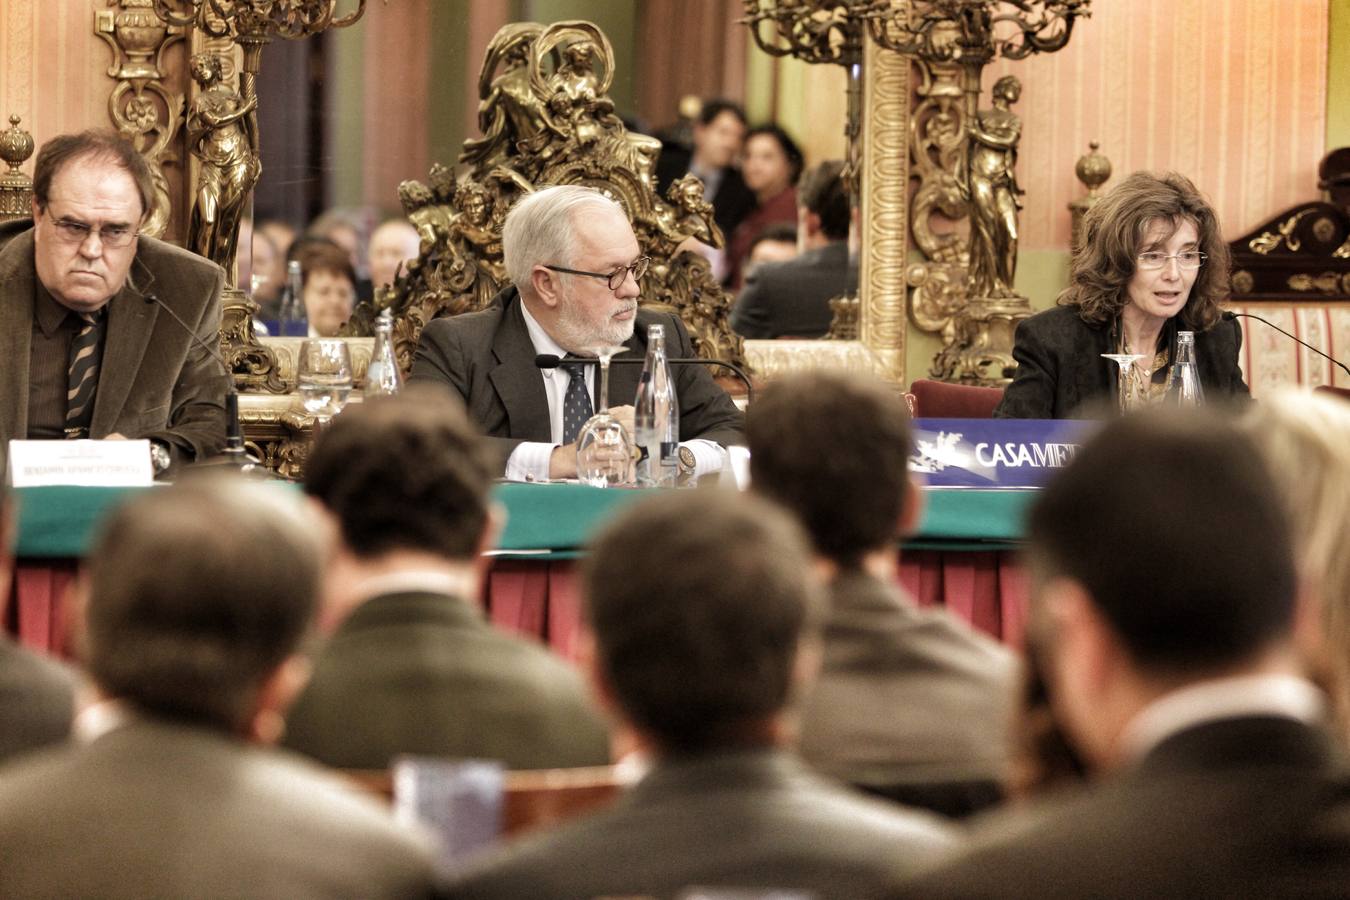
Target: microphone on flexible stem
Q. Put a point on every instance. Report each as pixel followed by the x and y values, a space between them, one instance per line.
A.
pixel 234 436
pixel 552 361
pixel 1230 315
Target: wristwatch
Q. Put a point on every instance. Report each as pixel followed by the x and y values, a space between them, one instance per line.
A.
pixel 686 461
pixel 160 457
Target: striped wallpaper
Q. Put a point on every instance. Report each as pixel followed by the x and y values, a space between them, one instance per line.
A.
pixel 1229 92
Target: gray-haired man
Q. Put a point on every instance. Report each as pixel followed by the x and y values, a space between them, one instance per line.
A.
pixel 575 265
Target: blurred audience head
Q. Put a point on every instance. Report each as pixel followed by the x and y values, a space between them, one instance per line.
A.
pixel 773 161
pixel 267 274
pixel 344 228
pixel 1160 556
pixel 700 603
pixel 1305 438
pixel 822 204
pixel 329 283
pixel 197 596
pixel 392 244
pixel 834 450
pixel 774 243
pixel 405 472
pixel 719 132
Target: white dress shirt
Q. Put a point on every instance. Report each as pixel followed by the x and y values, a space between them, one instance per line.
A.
pixel 1284 696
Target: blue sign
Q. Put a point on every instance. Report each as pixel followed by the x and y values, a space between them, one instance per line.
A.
pixel 991 453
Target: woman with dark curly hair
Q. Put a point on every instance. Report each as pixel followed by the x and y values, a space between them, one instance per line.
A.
pixel 1152 262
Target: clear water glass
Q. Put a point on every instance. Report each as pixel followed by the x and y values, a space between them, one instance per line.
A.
pixel 604 446
pixel 1123 362
pixel 325 376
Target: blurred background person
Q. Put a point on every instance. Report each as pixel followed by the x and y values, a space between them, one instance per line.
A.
pixel 792 298
pixel 1305 437
pixel 347 228
pixel 394 243
pixel 329 284
pixel 196 600
pixel 910 704
pixel 267 275
pixel 1152 262
pixel 718 134
pixel 37 694
pixel 776 243
pixel 772 164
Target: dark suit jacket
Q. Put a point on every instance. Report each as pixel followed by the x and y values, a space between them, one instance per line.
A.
pixel 1061 373
pixel 153 809
pixel 37 700
pixel 749 819
pixel 487 356
pixel 1252 807
pixel 153 383
pixel 906 697
pixel 792 298
pixel 733 200
pixel 423 673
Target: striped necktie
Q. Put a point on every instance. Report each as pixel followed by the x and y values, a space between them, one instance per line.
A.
pixel 576 402
pixel 86 352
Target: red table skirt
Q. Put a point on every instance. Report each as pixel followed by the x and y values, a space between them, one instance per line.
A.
pixel 987 589
pixel 539 598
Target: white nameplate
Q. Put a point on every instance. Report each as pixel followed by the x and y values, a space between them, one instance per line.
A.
pixel 94 463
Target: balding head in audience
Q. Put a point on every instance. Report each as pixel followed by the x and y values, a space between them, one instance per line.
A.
pixel 699 603
pixel 834 449
pixel 198 595
pixel 1161 556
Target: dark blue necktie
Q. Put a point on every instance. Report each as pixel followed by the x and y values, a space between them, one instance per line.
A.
pixel 576 402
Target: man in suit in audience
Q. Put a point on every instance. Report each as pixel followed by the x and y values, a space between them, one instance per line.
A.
pixel 719 134
pixel 413 667
pixel 910 703
pixel 703 613
pixel 792 298
pixel 197 597
pixel 1164 600
pixel 37 695
pixel 574 264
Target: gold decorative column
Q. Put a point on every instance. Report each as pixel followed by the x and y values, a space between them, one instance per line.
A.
pixel 16 188
pixel 141 108
pixel 964 160
pixel 1092 169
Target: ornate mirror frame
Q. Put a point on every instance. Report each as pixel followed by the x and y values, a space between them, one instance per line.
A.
pixel 884 233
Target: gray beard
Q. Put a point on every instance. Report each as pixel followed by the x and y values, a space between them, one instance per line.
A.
pixel 575 334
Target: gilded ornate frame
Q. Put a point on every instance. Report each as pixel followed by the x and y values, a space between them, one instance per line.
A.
pixel 884 232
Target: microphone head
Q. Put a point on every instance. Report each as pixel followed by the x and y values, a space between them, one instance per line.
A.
pixel 547 361
pixel 1229 315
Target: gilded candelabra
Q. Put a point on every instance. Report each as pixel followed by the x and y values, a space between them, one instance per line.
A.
pixel 824 32
pixel 964 160
pixel 223 134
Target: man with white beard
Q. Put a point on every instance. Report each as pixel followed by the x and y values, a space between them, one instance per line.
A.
pixel 575 267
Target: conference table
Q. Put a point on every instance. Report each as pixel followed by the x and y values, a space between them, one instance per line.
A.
pixel 963 556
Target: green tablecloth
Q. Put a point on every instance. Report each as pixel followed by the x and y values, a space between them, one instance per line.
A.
pixel 556 519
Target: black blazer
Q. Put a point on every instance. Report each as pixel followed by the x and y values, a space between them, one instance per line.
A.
pixel 1061 373
pixel 1249 807
pixel 488 357
pixel 793 297
pixel 748 819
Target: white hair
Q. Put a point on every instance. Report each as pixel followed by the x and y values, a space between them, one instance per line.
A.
pixel 540 229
